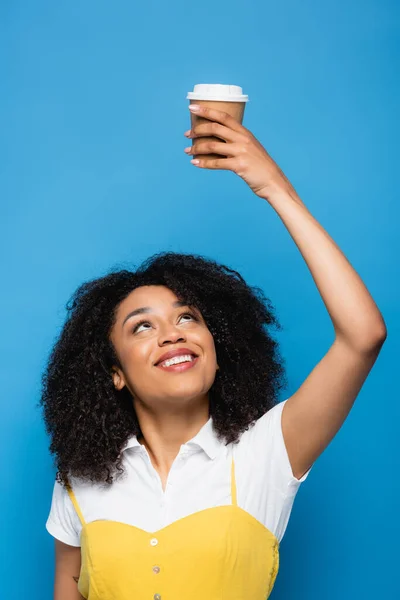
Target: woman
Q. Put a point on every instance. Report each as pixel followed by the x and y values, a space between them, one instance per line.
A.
pixel 177 468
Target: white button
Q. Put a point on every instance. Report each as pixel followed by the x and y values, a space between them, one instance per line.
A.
pixel 154 541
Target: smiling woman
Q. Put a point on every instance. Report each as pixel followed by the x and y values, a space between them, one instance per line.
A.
pixel 160 398
pixel 177 468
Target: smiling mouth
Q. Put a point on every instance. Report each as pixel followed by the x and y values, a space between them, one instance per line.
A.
pixel 178 367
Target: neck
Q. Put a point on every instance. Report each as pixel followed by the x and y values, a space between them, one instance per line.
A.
pixel 164 432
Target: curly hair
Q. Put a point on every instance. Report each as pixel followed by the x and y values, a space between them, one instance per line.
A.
pixel 89 421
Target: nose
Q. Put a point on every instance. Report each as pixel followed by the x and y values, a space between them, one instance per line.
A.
pixel 170 335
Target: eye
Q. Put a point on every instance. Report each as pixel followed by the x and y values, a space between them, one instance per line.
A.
pixel 138 324
pixel 189 315
pixel 144 322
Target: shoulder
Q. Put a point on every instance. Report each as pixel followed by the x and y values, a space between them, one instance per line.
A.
pixel 63 522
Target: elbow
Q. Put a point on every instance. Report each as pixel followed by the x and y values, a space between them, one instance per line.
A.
pixel 374 339
pixel 367 342
pixel 380 333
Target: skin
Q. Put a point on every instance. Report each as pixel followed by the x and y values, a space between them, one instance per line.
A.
pixel 68 565
pixel 171 407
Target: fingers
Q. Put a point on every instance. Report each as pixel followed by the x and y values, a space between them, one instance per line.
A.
pixel 225 164
pixel 213 148
pixel 220 125
pixel 216 115
pixel 215 130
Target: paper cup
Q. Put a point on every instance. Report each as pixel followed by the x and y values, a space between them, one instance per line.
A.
pixel 227 98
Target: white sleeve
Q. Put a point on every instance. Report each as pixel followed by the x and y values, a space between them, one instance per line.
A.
pixel 63 522
pixel 285 480
pixel 266 452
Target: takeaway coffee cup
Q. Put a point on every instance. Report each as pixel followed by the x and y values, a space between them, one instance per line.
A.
pixel 228 98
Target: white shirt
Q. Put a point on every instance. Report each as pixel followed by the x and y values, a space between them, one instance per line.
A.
pixel 200 477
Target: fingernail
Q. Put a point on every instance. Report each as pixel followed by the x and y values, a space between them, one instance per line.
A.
pixel 194 107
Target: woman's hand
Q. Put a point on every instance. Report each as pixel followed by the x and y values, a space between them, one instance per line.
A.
pixel 245 155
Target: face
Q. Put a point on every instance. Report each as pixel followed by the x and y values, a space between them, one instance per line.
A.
pixel 141 339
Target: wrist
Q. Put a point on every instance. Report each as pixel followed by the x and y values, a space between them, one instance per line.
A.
pixel 280 192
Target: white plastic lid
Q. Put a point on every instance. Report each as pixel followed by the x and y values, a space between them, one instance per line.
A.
pixel 217 91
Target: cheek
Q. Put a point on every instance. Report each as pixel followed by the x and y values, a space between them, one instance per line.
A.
pixel 134 356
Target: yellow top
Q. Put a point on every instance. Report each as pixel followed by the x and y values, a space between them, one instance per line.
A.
pixel 219 553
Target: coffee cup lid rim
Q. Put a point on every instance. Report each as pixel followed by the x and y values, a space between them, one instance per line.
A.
pixel 217 91
pixel 218 97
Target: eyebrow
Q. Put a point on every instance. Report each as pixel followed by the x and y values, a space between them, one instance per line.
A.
pixel 147 309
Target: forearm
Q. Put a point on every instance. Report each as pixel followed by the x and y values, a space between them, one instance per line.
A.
pixel 354 314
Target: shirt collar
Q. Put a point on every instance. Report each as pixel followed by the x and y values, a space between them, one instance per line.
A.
pixel 206 439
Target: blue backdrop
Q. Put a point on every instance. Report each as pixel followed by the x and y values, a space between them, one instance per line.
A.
pixel 93 175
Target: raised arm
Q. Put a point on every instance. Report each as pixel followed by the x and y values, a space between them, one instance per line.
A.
pixel 316 411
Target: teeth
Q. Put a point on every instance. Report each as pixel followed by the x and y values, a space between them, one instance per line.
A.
pixel 177 359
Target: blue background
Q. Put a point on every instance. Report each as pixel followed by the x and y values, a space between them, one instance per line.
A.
pixel 93 174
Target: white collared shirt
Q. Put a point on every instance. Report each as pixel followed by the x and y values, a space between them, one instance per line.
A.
pixel 200 477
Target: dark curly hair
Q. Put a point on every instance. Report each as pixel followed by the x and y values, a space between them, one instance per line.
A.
pixel 89 421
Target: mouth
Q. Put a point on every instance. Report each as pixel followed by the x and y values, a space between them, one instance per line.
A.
pixel 179 367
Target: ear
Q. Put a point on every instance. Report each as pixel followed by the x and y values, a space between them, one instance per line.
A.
pixel 118 378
